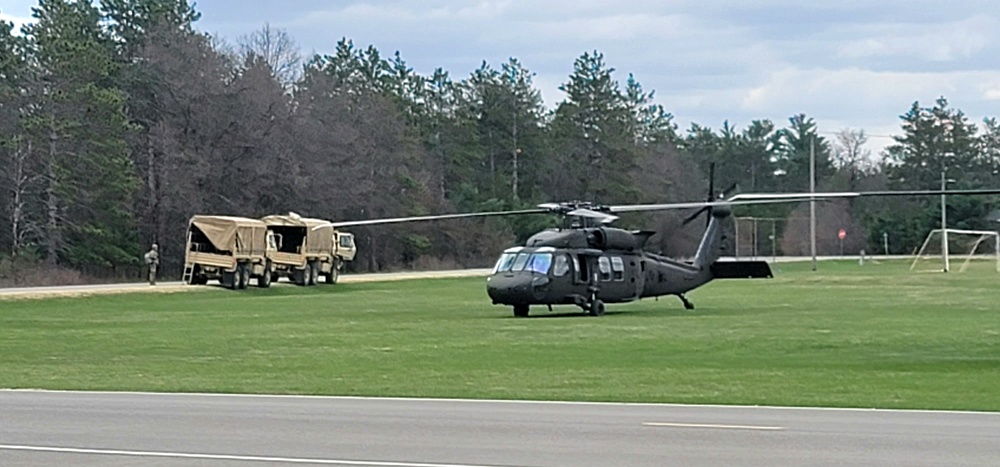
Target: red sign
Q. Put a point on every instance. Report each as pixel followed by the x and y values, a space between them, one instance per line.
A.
pixel 842 234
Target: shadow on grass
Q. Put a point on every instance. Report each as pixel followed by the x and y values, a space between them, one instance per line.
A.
pixel 632 313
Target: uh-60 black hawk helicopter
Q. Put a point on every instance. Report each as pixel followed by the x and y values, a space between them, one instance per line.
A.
pixel 587 263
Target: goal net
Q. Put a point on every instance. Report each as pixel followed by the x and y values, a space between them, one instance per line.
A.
pixel 958 250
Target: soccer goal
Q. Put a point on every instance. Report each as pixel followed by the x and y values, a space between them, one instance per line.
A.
pixel 945 249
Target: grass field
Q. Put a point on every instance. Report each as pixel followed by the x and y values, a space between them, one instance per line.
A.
pixel 848 335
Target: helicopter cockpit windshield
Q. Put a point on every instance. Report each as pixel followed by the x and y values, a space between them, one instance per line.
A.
pixel 513 260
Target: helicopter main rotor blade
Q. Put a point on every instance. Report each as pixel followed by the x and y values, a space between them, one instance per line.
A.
pixel 772 198
pixel 859 194
pixel 737 200
pixel 701 204
pixel 398 220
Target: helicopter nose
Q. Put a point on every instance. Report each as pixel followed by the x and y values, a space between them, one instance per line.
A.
pixel 513 289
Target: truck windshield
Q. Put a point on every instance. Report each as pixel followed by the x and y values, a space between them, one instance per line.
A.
pixel 346 241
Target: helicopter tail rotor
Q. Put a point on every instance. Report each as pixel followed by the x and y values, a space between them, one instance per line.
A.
pixel 711 197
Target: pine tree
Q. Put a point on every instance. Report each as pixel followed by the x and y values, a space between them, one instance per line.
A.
pixel 79 124
pixel 593 130
pixel 17 172
pixel 797 144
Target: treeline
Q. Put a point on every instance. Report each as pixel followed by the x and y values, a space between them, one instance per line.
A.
pixel 119 121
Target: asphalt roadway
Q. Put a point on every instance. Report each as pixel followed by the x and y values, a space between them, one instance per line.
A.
pixel 177 286
pixel 118 429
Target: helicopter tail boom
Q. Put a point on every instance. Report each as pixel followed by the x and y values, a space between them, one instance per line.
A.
pixel 709 248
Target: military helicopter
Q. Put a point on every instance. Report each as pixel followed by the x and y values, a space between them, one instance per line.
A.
pixel 587 263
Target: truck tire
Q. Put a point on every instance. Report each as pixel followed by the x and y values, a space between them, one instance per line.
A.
pixel 244 271
pixel 334 274
pixel 312 269
pixel 264 280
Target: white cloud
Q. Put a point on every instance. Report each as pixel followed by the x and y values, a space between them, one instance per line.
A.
pixel 845 91
pixel 946 41
pixel 992 94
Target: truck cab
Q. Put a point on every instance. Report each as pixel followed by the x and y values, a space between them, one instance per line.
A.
pixel 344 245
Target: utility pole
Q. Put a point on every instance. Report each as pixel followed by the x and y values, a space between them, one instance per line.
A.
pixel 944 222
pixel 812 199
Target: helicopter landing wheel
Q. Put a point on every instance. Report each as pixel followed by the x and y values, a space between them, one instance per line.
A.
pixel 597 308
pixel 687 303
pixel 521 311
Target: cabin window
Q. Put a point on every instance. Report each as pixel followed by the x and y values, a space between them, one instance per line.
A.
pixel 504 263
pixel 618 268
pixel 580 266
pixel 539 262
pixel 561 267
pixel 604 265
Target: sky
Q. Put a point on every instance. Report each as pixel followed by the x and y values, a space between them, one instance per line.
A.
pixel 856 64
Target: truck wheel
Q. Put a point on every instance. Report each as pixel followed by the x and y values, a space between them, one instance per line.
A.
pixel 334 274
pixel 313 270
pixel 264 280
pixel 244 272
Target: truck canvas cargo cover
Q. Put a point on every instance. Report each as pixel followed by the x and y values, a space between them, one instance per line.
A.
pixel 236 234
pixel 318 241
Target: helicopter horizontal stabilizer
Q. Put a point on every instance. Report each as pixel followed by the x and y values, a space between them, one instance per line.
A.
pixel 741 270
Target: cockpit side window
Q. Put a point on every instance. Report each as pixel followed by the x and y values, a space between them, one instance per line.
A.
pixel 580 265
pixel 561 266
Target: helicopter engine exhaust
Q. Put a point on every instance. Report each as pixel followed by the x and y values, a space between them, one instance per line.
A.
pixel 612 239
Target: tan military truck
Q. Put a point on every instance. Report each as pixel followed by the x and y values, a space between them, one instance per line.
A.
pixel 230 249
pixel 308 248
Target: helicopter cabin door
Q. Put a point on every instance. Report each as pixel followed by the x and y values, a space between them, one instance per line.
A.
pixel 616 280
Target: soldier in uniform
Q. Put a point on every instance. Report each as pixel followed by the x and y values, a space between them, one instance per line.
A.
pixel 152 258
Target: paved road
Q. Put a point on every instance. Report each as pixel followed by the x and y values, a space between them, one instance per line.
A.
pixel 111 429
pixel 71 290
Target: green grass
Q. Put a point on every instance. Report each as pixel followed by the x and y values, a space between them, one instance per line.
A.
pixel 850 336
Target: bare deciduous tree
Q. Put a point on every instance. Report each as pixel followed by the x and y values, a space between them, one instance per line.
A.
pixel 276 48
pixel 850 154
